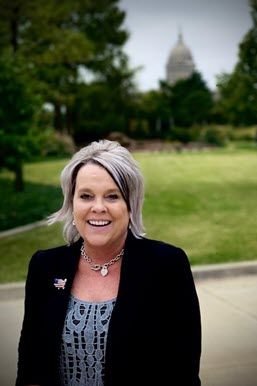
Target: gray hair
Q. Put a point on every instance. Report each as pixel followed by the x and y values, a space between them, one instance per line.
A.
pixel 124 170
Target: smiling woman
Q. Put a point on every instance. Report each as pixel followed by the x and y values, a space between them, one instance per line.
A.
pixel 100 212
pixel 88 303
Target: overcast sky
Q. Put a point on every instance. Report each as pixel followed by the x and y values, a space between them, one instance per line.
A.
pixel 212 29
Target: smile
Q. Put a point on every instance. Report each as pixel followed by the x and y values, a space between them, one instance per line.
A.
pixel 99 223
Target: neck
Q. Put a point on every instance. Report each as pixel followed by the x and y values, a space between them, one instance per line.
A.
pixel 103 253
pixel 96 265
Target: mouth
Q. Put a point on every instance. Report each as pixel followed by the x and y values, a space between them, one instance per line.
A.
pixel 99 223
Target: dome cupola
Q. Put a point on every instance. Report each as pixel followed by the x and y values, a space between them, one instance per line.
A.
pixel 180 64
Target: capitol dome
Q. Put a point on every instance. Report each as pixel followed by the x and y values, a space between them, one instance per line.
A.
pixel 180 64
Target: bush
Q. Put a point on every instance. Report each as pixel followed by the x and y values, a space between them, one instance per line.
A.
pixel 52 143
pixel 184 135
pixel 214 135
pixel 245 134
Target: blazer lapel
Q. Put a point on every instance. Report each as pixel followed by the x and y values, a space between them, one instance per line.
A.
pixel 65 269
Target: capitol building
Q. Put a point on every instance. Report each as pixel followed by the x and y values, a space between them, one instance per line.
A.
pixel 180 63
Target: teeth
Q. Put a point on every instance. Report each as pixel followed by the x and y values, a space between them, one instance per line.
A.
pixel 99 222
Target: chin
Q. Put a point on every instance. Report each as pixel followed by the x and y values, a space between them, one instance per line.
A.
pixel 97 241
pixel 102 241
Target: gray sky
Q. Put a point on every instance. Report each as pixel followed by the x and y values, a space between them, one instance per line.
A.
pixel 212 29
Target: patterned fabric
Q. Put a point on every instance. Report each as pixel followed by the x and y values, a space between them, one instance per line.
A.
pixel 84 342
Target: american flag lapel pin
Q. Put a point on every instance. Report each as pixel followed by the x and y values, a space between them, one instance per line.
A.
pixel 59 283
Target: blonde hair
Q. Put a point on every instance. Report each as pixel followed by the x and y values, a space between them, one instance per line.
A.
pixel 124 170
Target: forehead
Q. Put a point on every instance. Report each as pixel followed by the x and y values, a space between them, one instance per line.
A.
pixel 92 173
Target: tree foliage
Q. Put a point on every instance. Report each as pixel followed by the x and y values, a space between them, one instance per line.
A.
pixel 48 44
pixel 190 101
pixel 159 113
pixel 104 105
pixel 58 39
pixel 151 115
pixel 17 114
pixel 238 90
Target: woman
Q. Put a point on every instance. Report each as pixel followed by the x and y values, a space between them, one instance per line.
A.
pixel 111 307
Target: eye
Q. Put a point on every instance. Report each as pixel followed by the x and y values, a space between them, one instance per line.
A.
pixel 112 196
pixel 86 196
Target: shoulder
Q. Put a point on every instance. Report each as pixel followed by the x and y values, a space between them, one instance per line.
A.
pixel 159 252
pixel 52 251
pixel 170 262
pixel 52 255
pixel 53 262
pixel 162 260
pixel 161 247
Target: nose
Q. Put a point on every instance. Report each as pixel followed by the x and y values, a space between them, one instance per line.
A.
pixel 98 206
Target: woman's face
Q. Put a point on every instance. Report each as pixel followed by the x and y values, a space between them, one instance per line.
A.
pixel 99 209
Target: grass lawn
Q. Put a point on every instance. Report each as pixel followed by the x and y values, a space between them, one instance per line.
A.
pixel 41 196
pixel 204 202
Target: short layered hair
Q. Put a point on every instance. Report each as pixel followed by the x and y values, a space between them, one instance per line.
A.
pixel 124 170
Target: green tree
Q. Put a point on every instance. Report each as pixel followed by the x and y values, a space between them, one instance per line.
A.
pixel 43 34
pixel 152 115
pixel 104 105
pixel 164 112
pixel 235 104
pixel 58 40
pixel 17 116
pixel 190 101
pixel 238 90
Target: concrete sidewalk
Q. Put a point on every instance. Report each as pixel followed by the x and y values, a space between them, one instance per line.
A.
pixel 229 322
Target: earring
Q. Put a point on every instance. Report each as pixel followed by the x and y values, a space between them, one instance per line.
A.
pixel 73 223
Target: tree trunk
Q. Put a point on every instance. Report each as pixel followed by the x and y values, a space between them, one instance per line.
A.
pixel 14 28
pixel 57 117
pixel 18 183
pixel 69 120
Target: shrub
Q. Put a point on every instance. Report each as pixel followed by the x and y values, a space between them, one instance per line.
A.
pixel 53 143
pixel 214 135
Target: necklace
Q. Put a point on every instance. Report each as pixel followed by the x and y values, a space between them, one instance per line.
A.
pixel 98 267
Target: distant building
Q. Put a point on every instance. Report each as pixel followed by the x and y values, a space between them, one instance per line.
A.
pixel 180 63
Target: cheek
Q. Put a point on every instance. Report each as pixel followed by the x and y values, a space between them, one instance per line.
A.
pixel 126 215
pixel 78 208
pixel 75 207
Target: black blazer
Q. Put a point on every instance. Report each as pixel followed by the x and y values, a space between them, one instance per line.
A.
pixel 154 335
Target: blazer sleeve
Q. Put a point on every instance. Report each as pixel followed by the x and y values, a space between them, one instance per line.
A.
pixel 29 343
pixel 188 322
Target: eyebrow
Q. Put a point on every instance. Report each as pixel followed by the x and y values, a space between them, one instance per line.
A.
pixel 108 191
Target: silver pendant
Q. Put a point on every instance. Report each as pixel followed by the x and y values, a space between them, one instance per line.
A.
pixel 104 270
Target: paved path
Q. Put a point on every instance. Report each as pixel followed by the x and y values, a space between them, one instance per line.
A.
pixel 229 320
pixel 10 324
